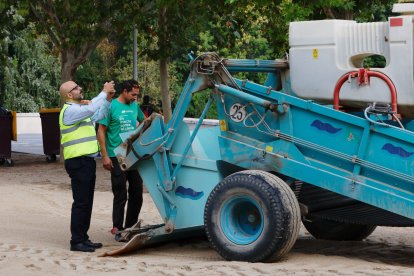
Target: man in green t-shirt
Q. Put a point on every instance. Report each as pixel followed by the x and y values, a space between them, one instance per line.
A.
pixel 123 116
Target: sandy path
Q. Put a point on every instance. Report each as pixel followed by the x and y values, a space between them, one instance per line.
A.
pixel 34 238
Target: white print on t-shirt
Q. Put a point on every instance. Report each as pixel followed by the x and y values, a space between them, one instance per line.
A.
pixel 126 124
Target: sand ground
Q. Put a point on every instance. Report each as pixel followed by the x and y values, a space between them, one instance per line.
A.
pixel 34 237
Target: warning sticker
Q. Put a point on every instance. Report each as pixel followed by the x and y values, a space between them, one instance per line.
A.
pixel 315 53
pixel 396 22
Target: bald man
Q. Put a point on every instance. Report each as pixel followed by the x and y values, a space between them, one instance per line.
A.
pixel 80 147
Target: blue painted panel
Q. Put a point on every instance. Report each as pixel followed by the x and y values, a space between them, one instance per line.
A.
pixel 193 186
pixel 205 144
pixel 148 172
pixel 324 175
pixel 200 183
pixel 195 179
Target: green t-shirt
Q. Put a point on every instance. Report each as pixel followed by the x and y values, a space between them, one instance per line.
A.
pixel 121 118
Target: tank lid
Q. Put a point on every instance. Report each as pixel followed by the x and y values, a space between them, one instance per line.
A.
pixel 404 8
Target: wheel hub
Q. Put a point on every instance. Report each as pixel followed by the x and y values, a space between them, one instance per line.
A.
pixel 241 220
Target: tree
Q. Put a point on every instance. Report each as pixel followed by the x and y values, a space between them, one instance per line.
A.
pixel 77 27
pixel 10 24
pixel 173 25
pixel 29 73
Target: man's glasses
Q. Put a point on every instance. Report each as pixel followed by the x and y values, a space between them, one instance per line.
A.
pixel 133 94
pixel 74 88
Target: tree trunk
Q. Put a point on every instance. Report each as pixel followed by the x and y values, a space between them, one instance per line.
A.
pixel 68 70
pixel 165 92
pixel 329 13
pixel 349 15
pixel 69 67
pixel 338 14
pixel 67 73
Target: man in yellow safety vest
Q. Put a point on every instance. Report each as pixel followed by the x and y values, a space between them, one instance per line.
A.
pixel 80 146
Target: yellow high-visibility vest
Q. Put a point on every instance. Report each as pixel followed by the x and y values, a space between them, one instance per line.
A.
pixel 78 139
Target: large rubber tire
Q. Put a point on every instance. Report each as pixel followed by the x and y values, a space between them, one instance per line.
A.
pixel 252 216
pixel 337 231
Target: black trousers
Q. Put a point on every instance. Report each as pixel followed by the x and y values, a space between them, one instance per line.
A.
pixel 133 195
pixel 82 172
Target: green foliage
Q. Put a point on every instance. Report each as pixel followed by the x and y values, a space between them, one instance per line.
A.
pixel 197 105
pixel 359 10
pixel 10 23
pixel 30 72
pixel 76 23
pixel 375 61
pixel 149 79
pixel 168 27
pixel 77 27
pixel 97 70
pixel 114 61
pixel 377 11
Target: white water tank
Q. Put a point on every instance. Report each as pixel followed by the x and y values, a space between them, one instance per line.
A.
pixel 322 51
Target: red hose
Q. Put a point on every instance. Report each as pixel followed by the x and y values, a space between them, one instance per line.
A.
pixel 362 74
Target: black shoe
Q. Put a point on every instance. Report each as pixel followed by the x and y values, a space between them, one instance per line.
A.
pixel 82 246
pixel 93 244
pixel 120 238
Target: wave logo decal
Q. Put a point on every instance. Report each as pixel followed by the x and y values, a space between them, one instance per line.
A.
pixel 325 127
pixel 188 193
pixel 397 150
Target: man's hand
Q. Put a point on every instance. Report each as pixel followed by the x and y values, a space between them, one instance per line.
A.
pixel 107 163
pixel 85 102
pixel 109 89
